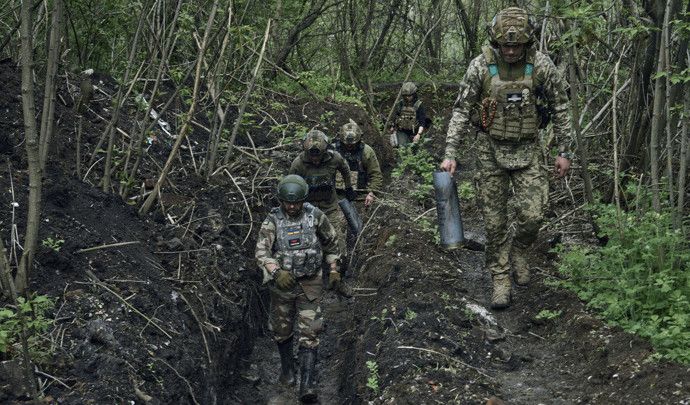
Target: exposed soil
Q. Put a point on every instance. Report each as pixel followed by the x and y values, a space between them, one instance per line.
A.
pixel 169 309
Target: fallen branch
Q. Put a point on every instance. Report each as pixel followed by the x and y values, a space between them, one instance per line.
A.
pixel 251 221
pixel 480 371
pixel 105 287
pixel 201 327
pixel 189 386
pixel 106 246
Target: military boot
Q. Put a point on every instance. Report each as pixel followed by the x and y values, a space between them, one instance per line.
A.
pixel 307 385
pixel 501 295
pixel 287 374
pixel 520 268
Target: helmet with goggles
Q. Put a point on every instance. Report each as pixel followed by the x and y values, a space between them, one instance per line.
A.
pixel 512 26
pixel 315 142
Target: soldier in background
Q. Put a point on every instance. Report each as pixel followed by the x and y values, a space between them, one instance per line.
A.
pixel 361 158
pixel 410 119
pixel 294 241
pixel 318 165
pixel 507 93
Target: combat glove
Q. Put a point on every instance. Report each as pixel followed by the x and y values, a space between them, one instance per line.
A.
pixel 284 279
pixel 334 280
pixel 350 193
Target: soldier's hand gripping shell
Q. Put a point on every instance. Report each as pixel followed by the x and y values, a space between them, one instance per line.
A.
pixel 350 193
pixel 334 280
pixel 284 279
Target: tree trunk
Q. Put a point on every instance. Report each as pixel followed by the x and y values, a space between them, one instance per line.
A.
pixel 32 151
pixel 50 83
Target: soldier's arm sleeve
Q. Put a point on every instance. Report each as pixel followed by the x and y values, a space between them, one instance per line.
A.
pixel 468 93
pixel 329 239
pixel 421 116
pixel 554 89
pixel 295 167
pixel 373 169
pixel 264 247
pixel 343 168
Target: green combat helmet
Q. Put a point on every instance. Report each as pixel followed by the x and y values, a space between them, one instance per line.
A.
pixel 511 26
pixel 350 133
pixel 292 188
pixel 408 89
pixel 315 142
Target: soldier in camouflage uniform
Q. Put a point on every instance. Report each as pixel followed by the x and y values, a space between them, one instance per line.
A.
pixel 507 93
pixel 361 158
pixel 410 117
pixel 318 165
pixel 293 242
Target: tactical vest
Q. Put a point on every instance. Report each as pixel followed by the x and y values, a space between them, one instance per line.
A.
pixel 297 245
pixel 508 107
pixel 407 120
pixel 321 181
pixel 354 159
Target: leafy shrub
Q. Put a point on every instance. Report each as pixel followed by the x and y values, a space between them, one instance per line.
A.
pixel 31 315
pixel 640 279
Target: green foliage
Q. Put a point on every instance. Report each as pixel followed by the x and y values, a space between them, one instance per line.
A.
pixel 373 379
pixel 30 315
pixel 381 318
pixel 325 87
pixel 410 315
pixel 55 244
pixel 416 160
pixel 640 279
pixel 466 191
pixel 549 315
pixel 390 241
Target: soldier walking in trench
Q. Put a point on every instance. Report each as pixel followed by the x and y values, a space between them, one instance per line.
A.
pixel 361 158
pixel 507 93
pixel 318 165
pixel 294 241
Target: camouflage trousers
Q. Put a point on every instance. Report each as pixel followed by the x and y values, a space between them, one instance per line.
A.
pixel 498 167
pixel 302 301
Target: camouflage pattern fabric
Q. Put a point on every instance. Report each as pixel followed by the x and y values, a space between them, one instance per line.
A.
pixel 321 178
pixel 304 299
pixel 472 92
pixel 297 243
pixel 502 163
pixel 286 304
pixel 493 177
pixel 266 247
pixel 405 135
pixel 327 201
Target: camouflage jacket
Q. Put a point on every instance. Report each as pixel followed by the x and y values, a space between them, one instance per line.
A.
pixel 321 178
pixel 266 245
pixel 364 166
pixel 472 91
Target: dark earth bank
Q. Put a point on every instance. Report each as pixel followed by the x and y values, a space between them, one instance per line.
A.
pixel 169 308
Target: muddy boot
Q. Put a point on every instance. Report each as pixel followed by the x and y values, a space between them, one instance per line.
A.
pixel 520 268
pixel 307 385
pixel 287 375
pixel 501 295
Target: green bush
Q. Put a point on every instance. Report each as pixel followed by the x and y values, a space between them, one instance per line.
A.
pixel 31 315
pixel 640 279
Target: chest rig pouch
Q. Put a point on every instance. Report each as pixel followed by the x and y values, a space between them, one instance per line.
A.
pixel 321 181
pixel 354 159
pixel 297 244
pixel 408 116
pixel 513 103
